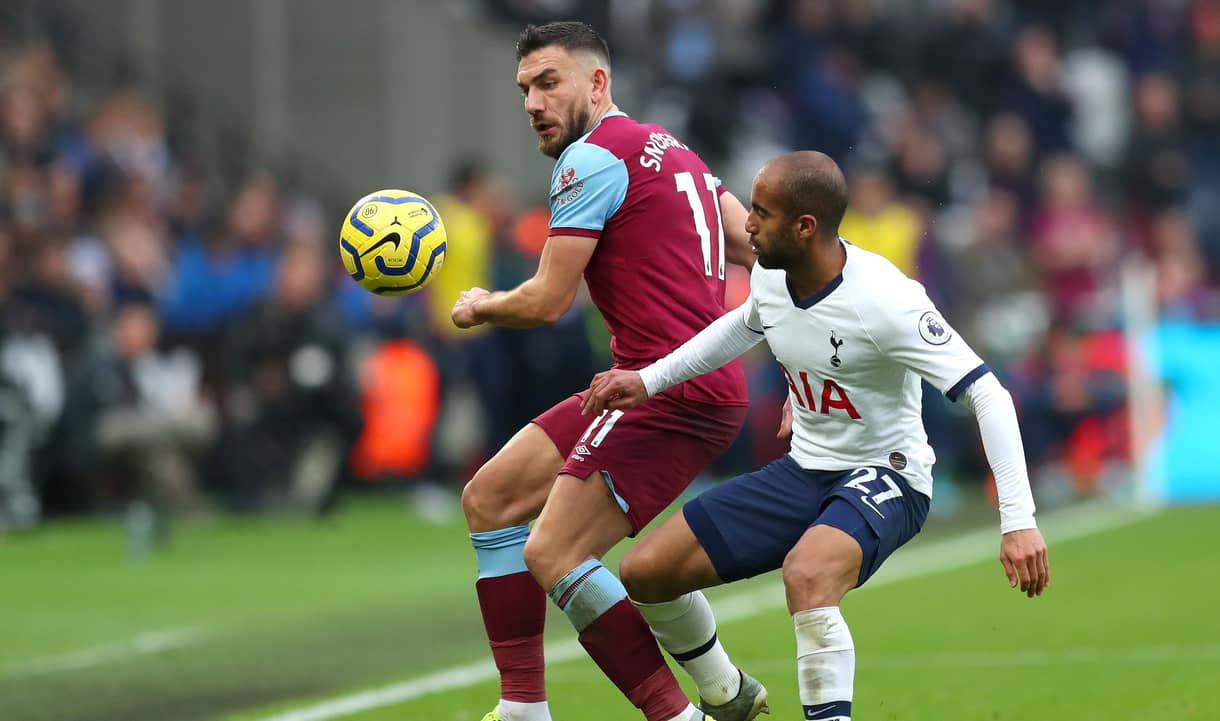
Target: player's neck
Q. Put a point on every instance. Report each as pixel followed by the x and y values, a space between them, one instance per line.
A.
pixel 599 112
pixel 824 264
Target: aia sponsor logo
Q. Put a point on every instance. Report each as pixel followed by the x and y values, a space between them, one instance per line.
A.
pixel 832 398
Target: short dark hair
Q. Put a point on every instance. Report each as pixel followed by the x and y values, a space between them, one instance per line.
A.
pixel 571 35
pixel 812 183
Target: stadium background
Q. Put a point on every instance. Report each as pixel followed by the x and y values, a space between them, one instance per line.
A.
pixel 180 351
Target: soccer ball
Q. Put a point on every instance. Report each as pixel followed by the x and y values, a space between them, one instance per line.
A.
pixel 392 242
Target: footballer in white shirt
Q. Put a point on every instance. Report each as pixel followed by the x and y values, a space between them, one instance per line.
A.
pixel 853 336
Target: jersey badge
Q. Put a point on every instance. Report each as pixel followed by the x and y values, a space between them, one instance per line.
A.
pixel 835 343
pixel 933 329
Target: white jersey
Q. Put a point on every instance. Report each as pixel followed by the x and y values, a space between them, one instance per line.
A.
pixel 853 355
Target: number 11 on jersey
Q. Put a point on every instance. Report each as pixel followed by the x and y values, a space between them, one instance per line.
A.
pixel 686 185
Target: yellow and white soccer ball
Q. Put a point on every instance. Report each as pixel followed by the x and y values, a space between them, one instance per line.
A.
pixel 392 242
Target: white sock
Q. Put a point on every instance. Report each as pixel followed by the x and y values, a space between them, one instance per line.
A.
pixel 825 663
pixel 689 714
pixel 518 711
pixel 685 625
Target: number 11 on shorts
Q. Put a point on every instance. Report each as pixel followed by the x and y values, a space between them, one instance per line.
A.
pixel 606 421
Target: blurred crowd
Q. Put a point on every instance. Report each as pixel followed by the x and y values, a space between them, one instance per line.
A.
pixel 177 338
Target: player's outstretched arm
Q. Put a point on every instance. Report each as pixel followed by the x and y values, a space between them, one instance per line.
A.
pixel 733 216
pixel 538 301
pixel 1022 549
pixel 727 337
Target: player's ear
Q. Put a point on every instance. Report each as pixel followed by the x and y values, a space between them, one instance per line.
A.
pixel 806 225
pixel 601 83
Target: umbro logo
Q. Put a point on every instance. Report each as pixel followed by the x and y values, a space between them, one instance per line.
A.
pixel 579 451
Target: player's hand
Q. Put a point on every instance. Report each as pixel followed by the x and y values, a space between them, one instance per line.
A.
pixel 463 310
pixel 615 389
pixel 785 421
pixel 1023 554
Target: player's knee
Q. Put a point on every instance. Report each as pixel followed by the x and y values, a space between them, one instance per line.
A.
pixel 486 506
pixel 473 505
pixel 638 572
pixel 535 553
pixel 814 581
pixel 546 562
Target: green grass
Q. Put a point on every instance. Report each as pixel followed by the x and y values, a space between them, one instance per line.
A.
pixel 291 611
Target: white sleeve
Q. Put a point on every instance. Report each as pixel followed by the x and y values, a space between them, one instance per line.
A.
pixel 997 418
pixel 727 337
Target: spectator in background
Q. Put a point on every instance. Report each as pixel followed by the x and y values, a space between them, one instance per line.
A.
pixel 880 222
pixel 45 301
pixel 29 372
pixel 1201 102
pixel 921 169
pixel 1008 157
pixel 23 125
pixel 995 288
pixel 965 46
pixel 818 76
pixel 1156 171
pixel 293 408
pixel 1181 274
pixel 1036 92
pixel 1075 245
pixel 473 370
pixel 134 424
pixel 475 209
pixel 216 279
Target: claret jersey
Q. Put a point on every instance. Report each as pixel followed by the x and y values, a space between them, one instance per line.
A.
pixel 853 355
pixel 657 275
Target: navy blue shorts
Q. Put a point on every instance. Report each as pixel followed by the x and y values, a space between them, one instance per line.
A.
pixel 748 524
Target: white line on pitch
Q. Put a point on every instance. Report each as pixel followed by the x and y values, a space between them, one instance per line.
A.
pixel 917 560
pixel 143 644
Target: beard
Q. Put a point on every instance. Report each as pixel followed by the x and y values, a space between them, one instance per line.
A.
pixel 575 126
pixel 781 253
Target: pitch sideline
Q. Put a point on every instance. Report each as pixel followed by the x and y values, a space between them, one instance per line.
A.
pixel 918 560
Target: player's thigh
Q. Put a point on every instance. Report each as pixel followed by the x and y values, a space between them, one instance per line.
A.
pixel 650 454
pixel 666 563
pixel 582 519
pixel 747 524
pixel 511 488
pixel 876 506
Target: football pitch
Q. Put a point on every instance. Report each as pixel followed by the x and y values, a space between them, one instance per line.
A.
pixel 370 616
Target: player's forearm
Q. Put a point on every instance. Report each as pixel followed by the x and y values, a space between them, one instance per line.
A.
pixel 722 341
pixel 997 419
pixel 525 306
